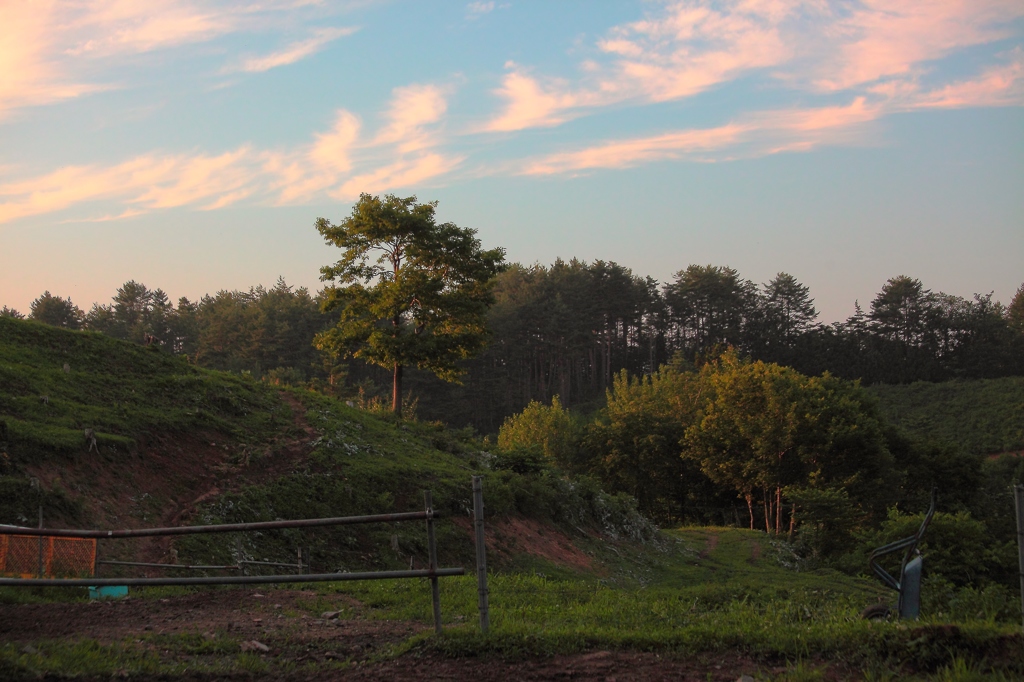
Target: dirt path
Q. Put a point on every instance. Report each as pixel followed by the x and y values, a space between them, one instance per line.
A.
pixel 712 542
pixel 269 616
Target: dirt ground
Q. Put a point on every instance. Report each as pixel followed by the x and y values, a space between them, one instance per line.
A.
pixel 282 621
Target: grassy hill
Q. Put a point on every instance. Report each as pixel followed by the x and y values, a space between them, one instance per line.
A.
pixel 179 444
pixel 575 570
pixel 984 416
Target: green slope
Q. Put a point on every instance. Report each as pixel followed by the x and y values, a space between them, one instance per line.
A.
pixel 177 443
pixel 985 416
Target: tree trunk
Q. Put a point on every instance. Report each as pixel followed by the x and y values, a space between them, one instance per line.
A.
pixel 792 522
pixel 750 508
pixel 396 392
pixel 767 511
pixel 778 509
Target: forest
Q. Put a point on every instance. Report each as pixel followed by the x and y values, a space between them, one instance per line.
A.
pixel 709 401
pixel 570 328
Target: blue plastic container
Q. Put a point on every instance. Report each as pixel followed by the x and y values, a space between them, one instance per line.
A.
pixel 108 592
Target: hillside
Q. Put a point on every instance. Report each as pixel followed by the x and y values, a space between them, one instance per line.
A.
pixel 580 584
pixel 984 416
pixel 177 444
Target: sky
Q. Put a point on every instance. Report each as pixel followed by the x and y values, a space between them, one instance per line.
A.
pixel 191 145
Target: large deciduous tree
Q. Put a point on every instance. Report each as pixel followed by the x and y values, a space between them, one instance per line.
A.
pixel 410 291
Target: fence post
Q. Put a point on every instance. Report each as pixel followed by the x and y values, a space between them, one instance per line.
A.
pixel 435 593
pixel 39 490
pixel 1018 499
pixel 481 553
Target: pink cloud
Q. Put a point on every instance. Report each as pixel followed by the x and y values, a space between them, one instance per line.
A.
pixel 403 173
pixel 627 153
pixel 146 182
pixel 997 86
pixel 684 50
pixel 412 108
pixel 296 51
pixel 28 72
pixel 886 38
pixel 104 27
pixel 334 163
pixel 687 47
pixel 758 134
pixel 300 174
pixel 50 50
pixel 531 105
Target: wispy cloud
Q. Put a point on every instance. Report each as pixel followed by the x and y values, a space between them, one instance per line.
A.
pixel 681 51
pixel 412 109
pixel 531 104
pixel 402 173
pixel 1001 85
pixel 475 10
pixel 296 51
pixel 756 134
pixel 688 47
pixel 53 50
pixel 631 152
pixel 896 38
pixel 336 163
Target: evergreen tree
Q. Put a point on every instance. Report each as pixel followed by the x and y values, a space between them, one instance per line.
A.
pixel 56 311
pixel 412 292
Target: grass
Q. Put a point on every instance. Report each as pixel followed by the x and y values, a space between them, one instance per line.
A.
pixel 682 591
pixel 694 592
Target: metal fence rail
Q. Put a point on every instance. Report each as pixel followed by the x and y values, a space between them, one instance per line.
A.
pixel 233 579
pixel 428 515
pixel 219 528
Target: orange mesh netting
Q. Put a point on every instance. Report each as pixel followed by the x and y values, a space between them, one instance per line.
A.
pixel 61 557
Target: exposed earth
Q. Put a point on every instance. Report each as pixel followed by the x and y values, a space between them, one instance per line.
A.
pixel 343 645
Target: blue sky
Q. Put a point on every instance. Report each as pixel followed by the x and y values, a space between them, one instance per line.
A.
pixel 191 145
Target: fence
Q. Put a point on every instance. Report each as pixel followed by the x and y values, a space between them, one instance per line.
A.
pixel 52 557
pixel 18 538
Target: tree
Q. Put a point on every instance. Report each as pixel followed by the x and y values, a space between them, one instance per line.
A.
pixel 412 292
pixel 56 311
pixel 11 312
pixel 789 308
pixel 552 429
pixel 708 306
pixel 763 428
pixel 1015 311
pixel 747 434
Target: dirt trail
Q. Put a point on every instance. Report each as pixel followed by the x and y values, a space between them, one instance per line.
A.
pixel 712 543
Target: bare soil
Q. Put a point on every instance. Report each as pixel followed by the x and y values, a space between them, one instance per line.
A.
pixel 349 646
pixel 510 537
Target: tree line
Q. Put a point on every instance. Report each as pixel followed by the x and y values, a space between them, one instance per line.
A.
pixel 734 441
pixel 570 328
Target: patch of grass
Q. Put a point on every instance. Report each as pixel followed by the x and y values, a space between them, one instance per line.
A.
pixel 57 383
pixel 690 598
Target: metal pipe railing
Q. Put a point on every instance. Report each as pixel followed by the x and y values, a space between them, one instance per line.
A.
pixel 219 528
pixel 144 564
pixel 232 579
pixel 429 515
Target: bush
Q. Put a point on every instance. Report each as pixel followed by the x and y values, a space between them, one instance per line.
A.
pixel 956 547
pixel 552 429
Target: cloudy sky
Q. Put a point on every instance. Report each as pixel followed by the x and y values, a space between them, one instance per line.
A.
pixel 190 145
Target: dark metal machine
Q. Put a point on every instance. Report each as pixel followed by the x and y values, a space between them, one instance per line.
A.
pixel 909 584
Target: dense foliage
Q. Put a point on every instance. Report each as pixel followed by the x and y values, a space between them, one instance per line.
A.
pixel 409 292
pixel 568 329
